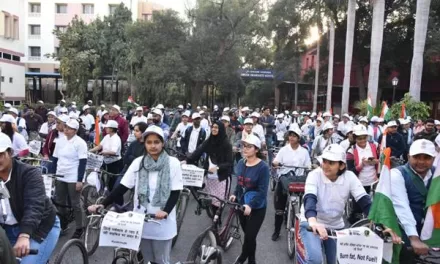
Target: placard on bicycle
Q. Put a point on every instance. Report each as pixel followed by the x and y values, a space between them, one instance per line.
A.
pixel 192 175
pixel 94 161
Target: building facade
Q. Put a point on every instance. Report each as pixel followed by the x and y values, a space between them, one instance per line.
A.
pixel 12 49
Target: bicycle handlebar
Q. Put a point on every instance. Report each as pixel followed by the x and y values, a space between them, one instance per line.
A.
pixel 148 217
pixel 53 175
pixel 240 207
pixel 33 159
pixel 102 171
pixel 378 230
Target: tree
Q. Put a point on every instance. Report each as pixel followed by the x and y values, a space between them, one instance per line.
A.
pixel 328 104
pixel 376 49
pixel 422 17
pixel 351 16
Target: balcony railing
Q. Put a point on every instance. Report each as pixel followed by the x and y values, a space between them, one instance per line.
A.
pixel 34 36
pixel 34 58
pixel 35 14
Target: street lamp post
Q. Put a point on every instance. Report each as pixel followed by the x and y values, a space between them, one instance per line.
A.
pixel 395 81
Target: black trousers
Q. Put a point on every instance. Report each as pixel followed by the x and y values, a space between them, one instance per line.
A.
pixel 115 168
pixel 251 226
pixel 280 200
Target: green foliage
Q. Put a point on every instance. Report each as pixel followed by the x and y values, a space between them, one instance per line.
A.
pixel 417 110
pixel 362 106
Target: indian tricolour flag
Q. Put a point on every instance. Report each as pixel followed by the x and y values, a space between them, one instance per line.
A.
pixel 369 107
pixel 385 113
pixel 431 227
pixel 382 210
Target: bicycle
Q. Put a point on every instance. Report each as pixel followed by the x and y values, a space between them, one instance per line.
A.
pixel 349 206
pixel 273 173
pixel 218 234
pixel 294 184
pixel 72 252
pixel 92 191
pixel 31 252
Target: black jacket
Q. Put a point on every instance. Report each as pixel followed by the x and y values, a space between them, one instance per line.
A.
pixel 33 210
pixel 396 142
pixel 184 141
pixel 426 135
pixel 134 150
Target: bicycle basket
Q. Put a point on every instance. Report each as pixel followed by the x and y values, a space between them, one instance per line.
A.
pixel 292 183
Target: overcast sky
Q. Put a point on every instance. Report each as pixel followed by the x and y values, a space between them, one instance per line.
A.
pixel 178 5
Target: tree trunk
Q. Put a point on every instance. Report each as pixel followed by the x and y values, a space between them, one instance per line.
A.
pixel 351 16
pixel 317 60
pixel 197 93
pixel 361 82
pixel 422 17
pixel 328 104
pixel 376 49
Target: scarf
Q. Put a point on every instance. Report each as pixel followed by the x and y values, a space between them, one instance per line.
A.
pixel 162 165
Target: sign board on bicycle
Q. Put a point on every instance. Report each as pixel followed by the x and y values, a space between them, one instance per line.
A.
pixel 94 161
pixel 48 185
pixel 359 245
pixel 192 175
pixel 122 230
pixel 35 147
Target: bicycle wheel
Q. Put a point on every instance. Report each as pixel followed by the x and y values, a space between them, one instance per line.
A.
pixel 180 213
pixel 207 238
pixel 73 252
pixel 90 195
pixel 91 237
pixel 231 230
pixel 363 222
pixel 290 230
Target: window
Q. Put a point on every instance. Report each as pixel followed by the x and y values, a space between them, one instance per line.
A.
pixel 15 32
pixel 35 51
pixel 112 9
pixel 15 58
pixel 57 51
pixel 146 17
pixel 35 8
pixel 61 8
pixel 35 29
pixel 3 78
pixel 34 69
pixel 88 8
pixel 56 70
pixel 11 80
pixel 7 56
pixel 61 29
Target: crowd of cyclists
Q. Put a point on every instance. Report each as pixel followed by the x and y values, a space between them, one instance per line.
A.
pixel 339 155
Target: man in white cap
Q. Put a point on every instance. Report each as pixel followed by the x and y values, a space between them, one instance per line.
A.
pixel 100 111
pixel 87 118
pixel 49 125
pixel 204 123
pixel 41 110
pixel 157 121
pixel 407 135
pixel 374 130
pixel 243 114
pixel 62 104
pixel 343 126
pixel 216 113
pixel 21 122
pixel 115 114
pixel 165 118
pixel 257 128
pixel 411 183
pixel 139 117
pixel 181 128
pixel 194 135
pixel 296 118
pixel 394 140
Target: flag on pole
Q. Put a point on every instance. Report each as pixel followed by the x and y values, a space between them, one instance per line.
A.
pixel 130 99
pixel 382 209
pixel 403 111
pixel 369 107
pixel 385 113
pixel 431 227
pixel 97 131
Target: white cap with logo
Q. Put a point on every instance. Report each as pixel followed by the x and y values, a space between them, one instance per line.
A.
pixel 225 118
pixel 153 130
pixel 186 113
pixel 117 108
pixel 139 108
pixel 248 121
pixel 63 118
pixel 111 124
pixel 334 152
pixel 195 116
pixel 422 146
pixel 8 118
pixel 295 130
pixel 72 123
pixel 5 142
pixel 360 130
pixel 253 140
pixel 157 111
pixel 13 110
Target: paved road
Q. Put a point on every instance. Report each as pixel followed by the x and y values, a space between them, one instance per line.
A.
pixel 268 252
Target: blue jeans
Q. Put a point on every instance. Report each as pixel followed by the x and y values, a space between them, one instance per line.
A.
pixel 313 246
pixel 45 248
pixel 49 166
pixel 269 145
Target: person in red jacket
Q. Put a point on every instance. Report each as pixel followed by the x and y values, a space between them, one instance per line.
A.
pixel 115 114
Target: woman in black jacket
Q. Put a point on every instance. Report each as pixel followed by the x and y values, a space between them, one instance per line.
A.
pixel 218 162
pixel 28 216
pixel 137 147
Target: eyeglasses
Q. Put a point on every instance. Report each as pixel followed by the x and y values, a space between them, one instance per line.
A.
pixel 362 138
pixel 248 146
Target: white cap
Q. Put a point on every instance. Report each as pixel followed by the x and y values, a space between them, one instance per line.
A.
pixel 253 140
pixel 195 116
pixel 117 108
pixel 391 123
pixel 62 100
pixel 186 113
pixel 90 101
pixel 205 107
pixel 112 124
pixel 5 142
pixel 73 103
pixel 215 107
pixel 295 130
pixel 380 120
pixel 180 107
pixel 327 125
pixel 286 112
pixel 313 114
pixel 74 106
pixel 337 116
pixel 157 111
pixel 51 113
pixel 364 119
pixel 320 119
pixel 436 122
pixel 85 107
pixel 348 130
pixel 198 108
pixel 63 110
pixel 139 108
pixel 375 119
pixel 422 146
pixel 149 116
pixel 255 114
pixel 104 112
pixel 280 115
pixel 334 152
pixel 225 118
pixel 226 109
pixel 294 113
pixel 245 109
pixel 303 113
pixel 13 110
pixel 160 106
pixel 202 112
pixel 326 114
pixel 346 115
pixel 153 130
pixel 409 118
pixel 103 105
pixel 63 118
pixel 72 123
pixel 8 118
pixel 405 122
pixel 8 105
pixel 360 130
pixel 248 121
pixel 40 102
pixel 73 115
